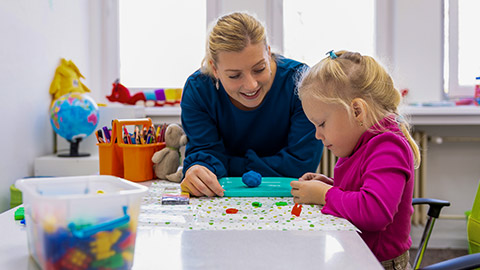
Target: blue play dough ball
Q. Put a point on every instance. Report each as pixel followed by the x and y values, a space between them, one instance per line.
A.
pixel 252 179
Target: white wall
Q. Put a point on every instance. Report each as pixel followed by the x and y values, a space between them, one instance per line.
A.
pixel 34 36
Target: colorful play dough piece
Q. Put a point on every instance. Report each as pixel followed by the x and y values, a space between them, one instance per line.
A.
pixel 252 179
pixel 297 209
pixel 256 204
pixel 231 211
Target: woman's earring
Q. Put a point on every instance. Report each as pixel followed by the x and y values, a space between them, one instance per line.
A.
pixel 217 85
pixel 361 123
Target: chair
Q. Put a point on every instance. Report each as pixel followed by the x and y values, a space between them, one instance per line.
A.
pixel 473 225
pixel 470 261
pixel 434 208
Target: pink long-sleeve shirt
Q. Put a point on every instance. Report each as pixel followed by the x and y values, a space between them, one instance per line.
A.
pixel 373 189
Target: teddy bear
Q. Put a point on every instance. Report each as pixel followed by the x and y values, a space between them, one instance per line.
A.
pixel 166 162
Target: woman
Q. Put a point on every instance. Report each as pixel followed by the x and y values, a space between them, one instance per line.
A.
pixel 240 111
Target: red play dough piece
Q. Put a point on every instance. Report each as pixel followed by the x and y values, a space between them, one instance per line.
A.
pixel 297 209
pixel 231 211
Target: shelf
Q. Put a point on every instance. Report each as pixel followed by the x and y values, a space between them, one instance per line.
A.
pixel 448 115
pixel 417 115
pixel 166 114
pixel 163 111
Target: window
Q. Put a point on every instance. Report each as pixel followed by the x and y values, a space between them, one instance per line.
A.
pixel 161 42
pixel 313 27
pixel 158 48
pixel 462 56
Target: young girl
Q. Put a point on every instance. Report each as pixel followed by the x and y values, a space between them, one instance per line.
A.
pixel 353 104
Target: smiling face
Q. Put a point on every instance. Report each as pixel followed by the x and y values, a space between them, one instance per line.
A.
pixel 338 130
pixel 246 75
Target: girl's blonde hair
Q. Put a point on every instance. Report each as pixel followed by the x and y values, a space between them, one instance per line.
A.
pixel 350 75
pixel 232 33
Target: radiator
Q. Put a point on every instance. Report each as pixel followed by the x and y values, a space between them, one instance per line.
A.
pixel 420 211
pixel 327 163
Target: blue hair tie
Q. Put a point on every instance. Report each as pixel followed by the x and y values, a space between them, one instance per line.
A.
pixel 331 54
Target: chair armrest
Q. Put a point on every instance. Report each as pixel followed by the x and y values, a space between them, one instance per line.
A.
pixel 435 205
pixel 470 261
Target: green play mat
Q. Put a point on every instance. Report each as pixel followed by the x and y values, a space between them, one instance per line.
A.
pixel 270 187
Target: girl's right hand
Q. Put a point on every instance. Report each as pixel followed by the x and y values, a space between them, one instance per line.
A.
pixel 200 181
pixel 309 192
pixel 316 176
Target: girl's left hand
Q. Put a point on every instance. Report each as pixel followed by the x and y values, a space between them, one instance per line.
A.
pixel 309 192
pixel 316 176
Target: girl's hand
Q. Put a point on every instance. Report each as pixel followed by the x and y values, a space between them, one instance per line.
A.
pixel 200 181
pixel 316 176
pixel 309 192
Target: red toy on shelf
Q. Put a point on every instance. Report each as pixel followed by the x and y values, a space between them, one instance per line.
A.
pixel 152 98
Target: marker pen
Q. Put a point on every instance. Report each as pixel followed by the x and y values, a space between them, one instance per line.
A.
pixel 106 132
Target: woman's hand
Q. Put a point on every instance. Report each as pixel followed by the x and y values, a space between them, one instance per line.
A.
pixel 200 181
pixel 316 176
pixel 309 192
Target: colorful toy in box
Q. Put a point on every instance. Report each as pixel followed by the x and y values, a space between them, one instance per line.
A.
pixel 112 249
pixel 153 98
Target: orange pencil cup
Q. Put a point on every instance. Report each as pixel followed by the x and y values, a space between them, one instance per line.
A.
pixel 130 161
pixel 111 156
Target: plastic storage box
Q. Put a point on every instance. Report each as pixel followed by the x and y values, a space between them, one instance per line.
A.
pixel 81 222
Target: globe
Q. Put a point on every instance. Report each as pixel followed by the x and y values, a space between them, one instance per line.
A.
pixel 74 116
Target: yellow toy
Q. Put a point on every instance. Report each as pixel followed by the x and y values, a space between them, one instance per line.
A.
pixel 66 80
pixel 102 246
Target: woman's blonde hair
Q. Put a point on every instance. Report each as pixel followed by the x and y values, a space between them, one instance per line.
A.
pixel 232 33
pixel 345 76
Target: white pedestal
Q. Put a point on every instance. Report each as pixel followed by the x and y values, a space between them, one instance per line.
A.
pixel 66 166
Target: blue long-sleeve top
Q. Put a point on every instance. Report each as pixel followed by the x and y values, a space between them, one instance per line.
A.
pixel 275 139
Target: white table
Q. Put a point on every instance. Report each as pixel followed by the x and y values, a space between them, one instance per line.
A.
pixel 180 249
pixel 194 247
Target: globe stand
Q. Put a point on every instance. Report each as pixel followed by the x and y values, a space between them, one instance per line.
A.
pixel 74 149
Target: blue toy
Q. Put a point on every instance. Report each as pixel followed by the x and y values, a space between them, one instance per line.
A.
pixel 252 179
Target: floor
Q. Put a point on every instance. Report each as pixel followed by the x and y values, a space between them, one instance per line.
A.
pixel 433 255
